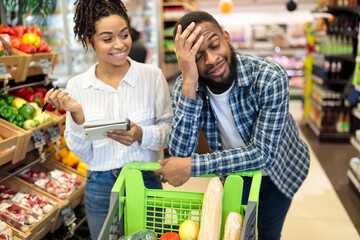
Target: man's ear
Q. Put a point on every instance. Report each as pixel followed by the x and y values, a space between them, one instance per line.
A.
pixel 89 44
pixel 227 37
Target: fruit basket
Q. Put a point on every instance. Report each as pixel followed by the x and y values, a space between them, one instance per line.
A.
pixel 164 210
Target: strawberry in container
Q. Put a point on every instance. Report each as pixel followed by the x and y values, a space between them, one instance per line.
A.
pixel 32 175
pixel 34 202
pixel 59 190
pixel 5 194
pixel 63 177
pixel 17 216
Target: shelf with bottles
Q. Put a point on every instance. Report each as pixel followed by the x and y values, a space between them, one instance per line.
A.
pixel 329 70
pixel 328 136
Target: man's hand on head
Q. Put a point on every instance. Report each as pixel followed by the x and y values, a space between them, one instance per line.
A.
pixel 187 44
pixel 176 171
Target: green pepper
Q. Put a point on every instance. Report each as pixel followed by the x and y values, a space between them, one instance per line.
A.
pixel 2 102
pixel 18 120
pixel 8 99
pixel 14 110
pixel 27 111
pixel 5 112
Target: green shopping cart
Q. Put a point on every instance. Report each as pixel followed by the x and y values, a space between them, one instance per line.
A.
pixel 164 210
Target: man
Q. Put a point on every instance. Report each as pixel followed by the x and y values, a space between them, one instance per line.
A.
pixel 241 102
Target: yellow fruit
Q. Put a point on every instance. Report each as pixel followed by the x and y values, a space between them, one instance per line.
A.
pixel 189 230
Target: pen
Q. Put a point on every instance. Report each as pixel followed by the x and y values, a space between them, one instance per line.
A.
pixel 47 104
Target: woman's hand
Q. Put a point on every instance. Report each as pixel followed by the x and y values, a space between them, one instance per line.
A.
pixel 127 137
pixel 62 100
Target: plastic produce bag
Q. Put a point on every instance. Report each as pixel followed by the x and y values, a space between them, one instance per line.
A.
pixel 143 234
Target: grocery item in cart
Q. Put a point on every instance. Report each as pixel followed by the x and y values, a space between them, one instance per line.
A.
pixel 17 216
pixel 143 234
pixel 34 202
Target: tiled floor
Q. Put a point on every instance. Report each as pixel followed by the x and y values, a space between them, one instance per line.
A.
pixel 316 211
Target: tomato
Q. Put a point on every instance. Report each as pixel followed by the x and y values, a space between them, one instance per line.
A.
pixel 170 236
pixel 27 48
pixel 15 42
pixel 19 31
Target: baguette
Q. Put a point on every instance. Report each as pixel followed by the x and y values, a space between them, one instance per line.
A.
pixel 233 226
pixel 211 211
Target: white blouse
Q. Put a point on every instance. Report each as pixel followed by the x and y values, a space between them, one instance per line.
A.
pixel 142 96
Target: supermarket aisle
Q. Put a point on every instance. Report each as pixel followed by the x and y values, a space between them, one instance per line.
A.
pixel 316 211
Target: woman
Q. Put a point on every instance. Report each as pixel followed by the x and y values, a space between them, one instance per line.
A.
pixel 114 88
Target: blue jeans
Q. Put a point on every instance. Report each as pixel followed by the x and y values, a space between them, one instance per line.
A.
pixel 97 195
pixel 273 207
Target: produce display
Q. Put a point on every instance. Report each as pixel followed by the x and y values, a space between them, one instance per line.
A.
pixel 5 231
pixel 17 216
pixel 34 202
pixel 56 182
pixel 67 157
pixel 26 39
pixel 21 112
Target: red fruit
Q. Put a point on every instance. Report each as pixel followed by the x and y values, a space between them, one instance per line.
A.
pixel 10 192
pixel 14 208
pixel 170 236
pixel 26 179
pixel 2 188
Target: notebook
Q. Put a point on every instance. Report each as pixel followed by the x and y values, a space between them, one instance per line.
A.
pixel 96 130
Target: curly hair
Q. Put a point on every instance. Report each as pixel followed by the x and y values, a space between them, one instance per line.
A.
pixel 196 17
pixel 88 12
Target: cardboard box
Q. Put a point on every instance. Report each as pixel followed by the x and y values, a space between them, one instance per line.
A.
pixel 46 224
pixel 13 140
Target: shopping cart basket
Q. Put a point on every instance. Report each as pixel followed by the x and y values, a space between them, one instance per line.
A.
pixel 164 210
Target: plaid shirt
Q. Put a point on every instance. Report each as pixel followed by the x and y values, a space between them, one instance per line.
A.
pixel 259 103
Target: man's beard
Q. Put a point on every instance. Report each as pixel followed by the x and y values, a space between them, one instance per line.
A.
pixel 220 87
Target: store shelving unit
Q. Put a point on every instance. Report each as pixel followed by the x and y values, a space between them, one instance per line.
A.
pixel 333 66
pixel 171 12
pixel 34 69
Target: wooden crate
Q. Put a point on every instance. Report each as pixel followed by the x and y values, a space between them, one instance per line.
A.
pixel 75 199
pixel 46 224
pixel 60 119
pixel 32 62
pixel 28 144
pixel 12 137
pixel 16 64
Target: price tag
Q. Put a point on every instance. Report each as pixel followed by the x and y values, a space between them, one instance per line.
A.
pixel 54 133
pixel 46 66
pixel 38 137
pixel 68 215
pixel 4 73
